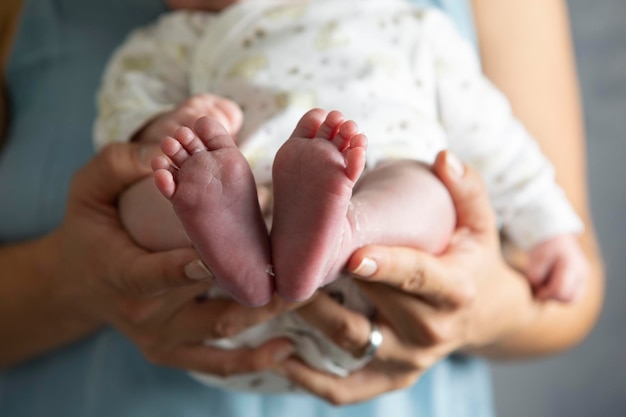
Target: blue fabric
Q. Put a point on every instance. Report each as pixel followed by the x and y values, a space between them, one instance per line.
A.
pixel 459 10
pixel 53 73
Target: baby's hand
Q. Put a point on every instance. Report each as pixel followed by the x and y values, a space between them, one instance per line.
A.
pixel 225 111
pixel 557 269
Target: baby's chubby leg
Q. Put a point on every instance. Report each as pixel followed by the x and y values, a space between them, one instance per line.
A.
pixel 213 193
pixel 150 219
pixel 322 214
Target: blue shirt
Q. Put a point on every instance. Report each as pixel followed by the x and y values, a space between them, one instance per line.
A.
pixel 52 76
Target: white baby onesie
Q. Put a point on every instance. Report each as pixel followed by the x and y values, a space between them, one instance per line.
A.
pixel 411 82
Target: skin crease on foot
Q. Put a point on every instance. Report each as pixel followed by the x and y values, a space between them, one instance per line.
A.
pixel 324 208
pixel 210 175
pixel 314 174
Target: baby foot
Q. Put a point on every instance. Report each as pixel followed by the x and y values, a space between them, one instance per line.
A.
pixel 314 174
pixel 213 192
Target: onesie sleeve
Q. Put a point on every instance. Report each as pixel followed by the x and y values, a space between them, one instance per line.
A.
pixel 484 133
pixel 147 75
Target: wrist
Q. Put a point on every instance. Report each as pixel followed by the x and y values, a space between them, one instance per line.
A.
pixel 528 327
pixel 68 302
pixel 509 310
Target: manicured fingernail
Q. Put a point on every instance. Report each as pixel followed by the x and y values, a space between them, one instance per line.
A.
pixel 196 270
pixel 366 268
pixel 454 166
pixel 284 352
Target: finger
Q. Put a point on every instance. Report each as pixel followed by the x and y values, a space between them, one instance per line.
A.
pixel 346 328
pixel 351 331
pixel 409 270
pixel 365 384
pixel 221 318
pixel 413 323
pixel 112 170
pixel 150 274
pixel 144 318
pixel 225 363
pixel 468 193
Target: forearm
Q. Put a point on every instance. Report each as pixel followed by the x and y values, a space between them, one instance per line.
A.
pixel 531 327
pixel 535 68
pixel 37 314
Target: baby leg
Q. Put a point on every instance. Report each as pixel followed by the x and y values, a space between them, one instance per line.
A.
pixel 313 176
pixel 212 190
pixel 150 219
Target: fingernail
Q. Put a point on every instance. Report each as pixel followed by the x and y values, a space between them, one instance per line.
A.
pixel 284 352
pixel 454 166
pixel 366 268
pixel 196 270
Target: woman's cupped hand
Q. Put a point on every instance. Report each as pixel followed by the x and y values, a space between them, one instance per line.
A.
pixel 428 306
pixel 153 298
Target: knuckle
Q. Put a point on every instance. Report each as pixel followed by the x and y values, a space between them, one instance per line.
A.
pixel 155 357
pixel 109 153
pixel 403 380
pixel 151 344
pixel 223 329
pixel 150 275
pixel 434 333
pixel 418 362
pixel 475 187
pixel 256 364
pixel 222 369
pixel 416 281
pixel 348 334
pixel 466 294
pixel 132 313
pixel 113 156
pixel 109 159
pixel 131 285
pixel 335 397
pixel 415 361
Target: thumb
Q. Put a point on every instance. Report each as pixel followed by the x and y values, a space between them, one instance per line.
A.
pixel 471 201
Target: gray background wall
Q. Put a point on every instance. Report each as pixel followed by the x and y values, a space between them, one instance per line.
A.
pixel 590 380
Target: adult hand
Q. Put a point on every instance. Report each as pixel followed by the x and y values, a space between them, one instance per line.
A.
pixel 151 297
pixel 428 306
